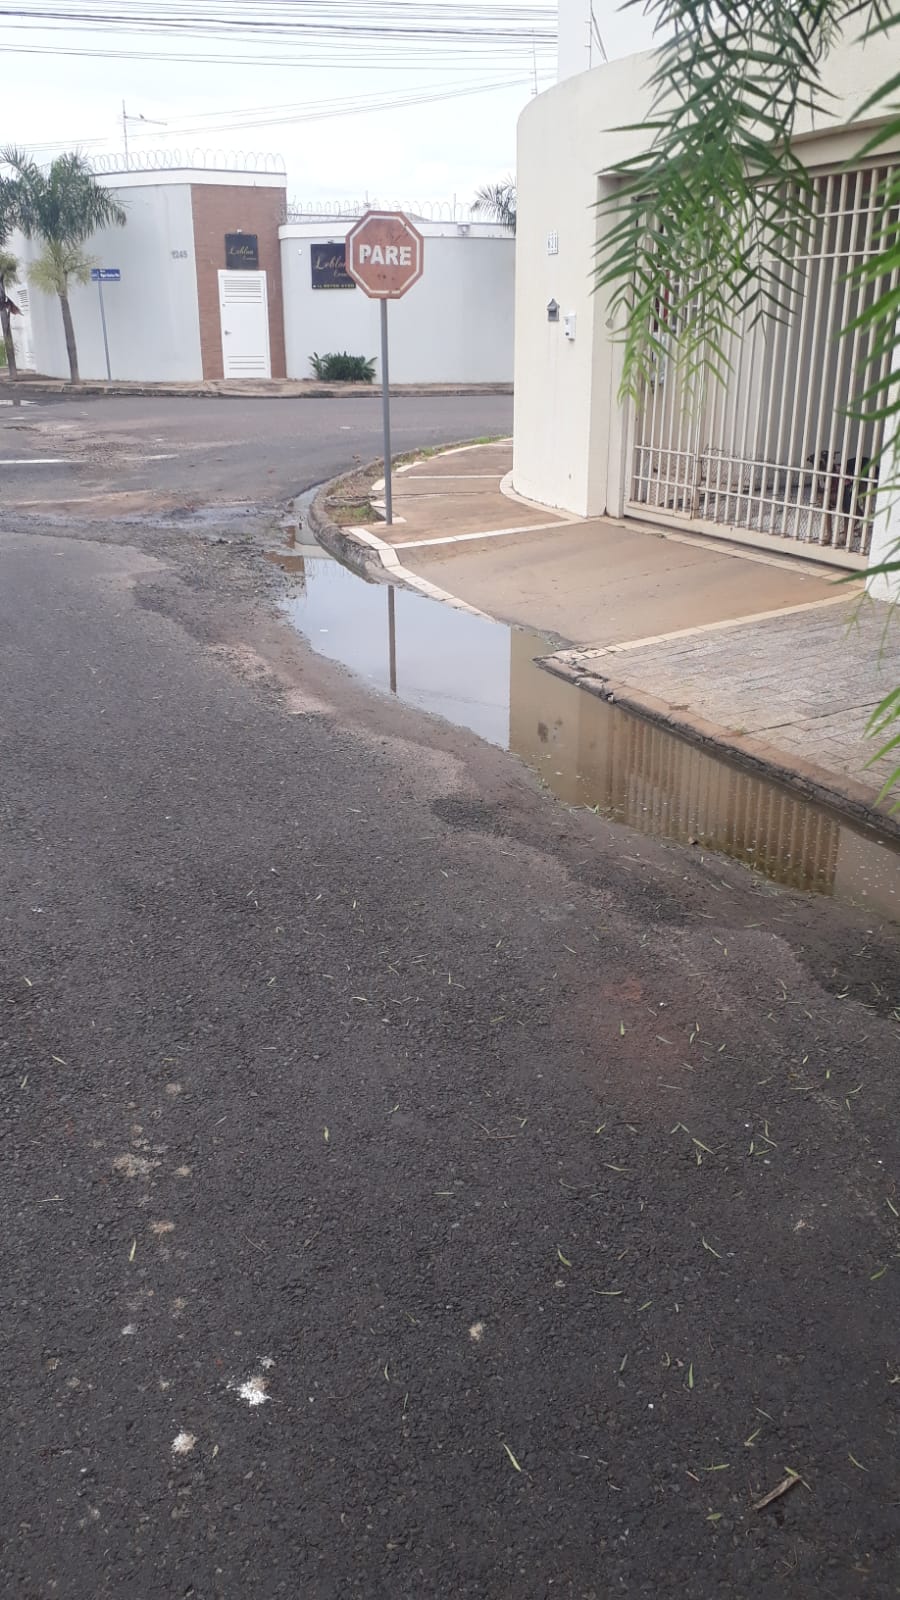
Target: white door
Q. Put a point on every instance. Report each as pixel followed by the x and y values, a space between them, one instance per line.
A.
pixel 21 327
pixel 244 307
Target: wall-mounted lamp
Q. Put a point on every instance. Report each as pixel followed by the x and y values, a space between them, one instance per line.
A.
pixel 553 311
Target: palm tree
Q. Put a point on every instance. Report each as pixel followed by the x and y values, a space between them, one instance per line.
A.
pixel 9 271
pixel 62 206
pixel 498 201
pixel 9 268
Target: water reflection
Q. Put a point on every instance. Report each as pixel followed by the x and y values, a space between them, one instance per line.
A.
pixel 288 561
pixel 441 660
pixel 483 676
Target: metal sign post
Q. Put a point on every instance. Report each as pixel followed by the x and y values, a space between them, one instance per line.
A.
pixel 101 275
pixel 385 256
pixel 103 326
pixel 386 416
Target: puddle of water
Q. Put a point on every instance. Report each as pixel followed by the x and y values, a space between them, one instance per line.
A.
pixel 287 561
pixel 483 676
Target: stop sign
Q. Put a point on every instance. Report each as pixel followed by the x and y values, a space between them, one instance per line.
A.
pixel 385 254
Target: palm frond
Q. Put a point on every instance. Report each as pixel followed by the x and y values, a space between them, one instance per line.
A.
pixel 498 201
pixel 720 199
pixel 63 203
pixel 57 265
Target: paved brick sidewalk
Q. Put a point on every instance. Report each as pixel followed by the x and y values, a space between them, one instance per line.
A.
pixel 803 684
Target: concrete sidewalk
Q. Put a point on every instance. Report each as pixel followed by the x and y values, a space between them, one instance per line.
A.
pixel 775 659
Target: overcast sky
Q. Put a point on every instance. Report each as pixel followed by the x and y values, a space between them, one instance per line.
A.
pixel 422 152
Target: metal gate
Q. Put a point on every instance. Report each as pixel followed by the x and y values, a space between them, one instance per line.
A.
pixel 776 455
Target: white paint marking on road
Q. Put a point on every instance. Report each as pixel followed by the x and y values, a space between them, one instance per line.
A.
pixel 183 1444
pixel 466 538
pixel 35 461
pixel 486 444
pixel 394 568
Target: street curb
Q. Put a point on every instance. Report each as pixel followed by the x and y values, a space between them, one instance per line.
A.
pixel 216 389
pixel 371 558
pixel 344 545
pixel 814 783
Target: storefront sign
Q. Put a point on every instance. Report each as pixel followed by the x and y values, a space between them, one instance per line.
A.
pixel 242 252
pixel 329 266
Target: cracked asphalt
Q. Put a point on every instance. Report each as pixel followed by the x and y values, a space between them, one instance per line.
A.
pixel 411 1186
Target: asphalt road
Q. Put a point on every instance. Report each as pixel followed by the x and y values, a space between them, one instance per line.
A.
pixel 411 1187
pixel 133 456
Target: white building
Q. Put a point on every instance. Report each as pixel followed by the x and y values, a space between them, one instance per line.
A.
pixel 454 326
pixel 771 459
pixel 178 310
pixel 207 281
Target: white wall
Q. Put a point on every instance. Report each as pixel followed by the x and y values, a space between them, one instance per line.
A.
pixel 569 428
pixel 564 388
pixel 152 315
pixel 454 326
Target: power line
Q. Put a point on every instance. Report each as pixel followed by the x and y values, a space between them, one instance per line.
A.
pixel 361 20
pixel 379 16
pixel 253 117
pixel 362 61
pixel 398 33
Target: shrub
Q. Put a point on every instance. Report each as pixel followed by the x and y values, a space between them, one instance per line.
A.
pixel 340 367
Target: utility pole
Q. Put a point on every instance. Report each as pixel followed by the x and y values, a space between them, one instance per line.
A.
pixel 132 116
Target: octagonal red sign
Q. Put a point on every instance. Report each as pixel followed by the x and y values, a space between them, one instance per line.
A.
pixel 385 254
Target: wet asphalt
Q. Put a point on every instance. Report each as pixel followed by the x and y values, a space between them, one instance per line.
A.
pixel 411 1186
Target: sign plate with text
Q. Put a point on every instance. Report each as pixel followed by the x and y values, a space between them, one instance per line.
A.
pixel 329 266
pixel 385 254
pixel 242 252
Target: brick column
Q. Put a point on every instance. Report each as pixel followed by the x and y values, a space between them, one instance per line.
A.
pixel 236 208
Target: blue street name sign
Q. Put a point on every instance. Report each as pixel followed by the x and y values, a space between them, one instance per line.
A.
pixel 106 274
